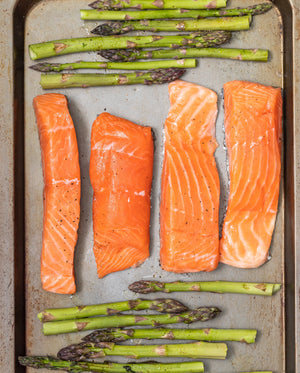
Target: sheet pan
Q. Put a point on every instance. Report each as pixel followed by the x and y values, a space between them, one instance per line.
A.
pixel 21 185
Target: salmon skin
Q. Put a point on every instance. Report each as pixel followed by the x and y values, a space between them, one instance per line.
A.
pixel 61 192
pixel 253 129
pixel 121 168
pixel 190 193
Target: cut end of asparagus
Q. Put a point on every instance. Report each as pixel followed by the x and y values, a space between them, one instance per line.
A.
pixel 276 288
pixel 119 55
pixel 111 28
pixel 32 54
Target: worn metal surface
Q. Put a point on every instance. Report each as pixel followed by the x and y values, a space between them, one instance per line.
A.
pixel 6 189
pixel 147 106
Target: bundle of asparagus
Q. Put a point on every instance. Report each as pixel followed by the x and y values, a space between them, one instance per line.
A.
pixel 86 44
pixel 100 343
pixel 159 18
pixel 46 362
pixel 142 20
pixel 161 305
pixel 91 323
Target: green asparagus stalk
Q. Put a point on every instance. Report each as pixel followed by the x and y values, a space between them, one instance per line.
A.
pixel 128 55
pixel 160 305
pixel 47 362
pixel 75 45
pixel 123 15
pixel 141 65
pixel 159 76
pixel 197 350
pixel 145 287
pixel 91 323
pixel 122 27
pixel 120 335
pixel 157 4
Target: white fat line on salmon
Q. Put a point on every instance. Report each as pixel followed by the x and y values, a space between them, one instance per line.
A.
pixel 124 256
pixel 57 280
pixel 195 114
pixel 142 193
pixel 175 109
pixel 261 253
pixel 65 181
pixel 50 258
pixel 98 145
pixel 62 237
pixel 183 172
pixel 55 129
pixel 116 134
pixel 62 219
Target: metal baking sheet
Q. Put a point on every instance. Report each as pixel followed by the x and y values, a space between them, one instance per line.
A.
pixel 274 317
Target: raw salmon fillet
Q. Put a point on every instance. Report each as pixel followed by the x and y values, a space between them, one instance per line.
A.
pixel 121 175
pixel 190 193
pixel 253 135
pixel 61 192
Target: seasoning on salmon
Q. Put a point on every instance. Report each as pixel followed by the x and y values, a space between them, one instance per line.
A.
pixel 61 192
pixel 253 136
pixel 121 168
pixel 190 193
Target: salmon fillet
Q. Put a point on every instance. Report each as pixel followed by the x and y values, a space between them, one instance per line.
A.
pixel 61 192
pixel 121 167
pixel 189 209
pixel 253 135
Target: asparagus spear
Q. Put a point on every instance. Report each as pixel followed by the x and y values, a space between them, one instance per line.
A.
pixel 141 65
pixel 124 15
pixel 110 367
pixel 89 350
pixel 91 323
pixel 230 53
pixel 159 76
pixel 120 335
pixel 66 46
pixel 157 4
pixel 122 27
pixel 145 287
pixel 160 305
